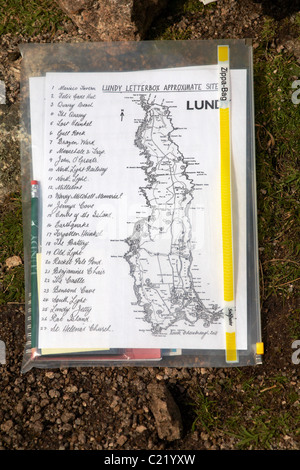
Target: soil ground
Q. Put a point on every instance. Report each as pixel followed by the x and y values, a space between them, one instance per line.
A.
pixel 222 409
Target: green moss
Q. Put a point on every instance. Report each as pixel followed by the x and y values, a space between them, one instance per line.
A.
pixel 278 176
pixel 29 16
pixel 11 235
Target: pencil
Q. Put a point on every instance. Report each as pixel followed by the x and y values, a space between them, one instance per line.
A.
pixel 226 204
pixel 34 252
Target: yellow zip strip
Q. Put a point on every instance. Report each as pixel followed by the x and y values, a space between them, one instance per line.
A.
pixel 226 208
pixel 226 204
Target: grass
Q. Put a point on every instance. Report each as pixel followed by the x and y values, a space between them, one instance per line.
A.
pixel 251 413
pixel 294 324
pixel 262 433
pixel 207 412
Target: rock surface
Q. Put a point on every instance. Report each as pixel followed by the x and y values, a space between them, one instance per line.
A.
pixel 103 20
pixel 165 411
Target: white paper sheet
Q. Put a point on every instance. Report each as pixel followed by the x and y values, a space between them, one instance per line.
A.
pixel 131 248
